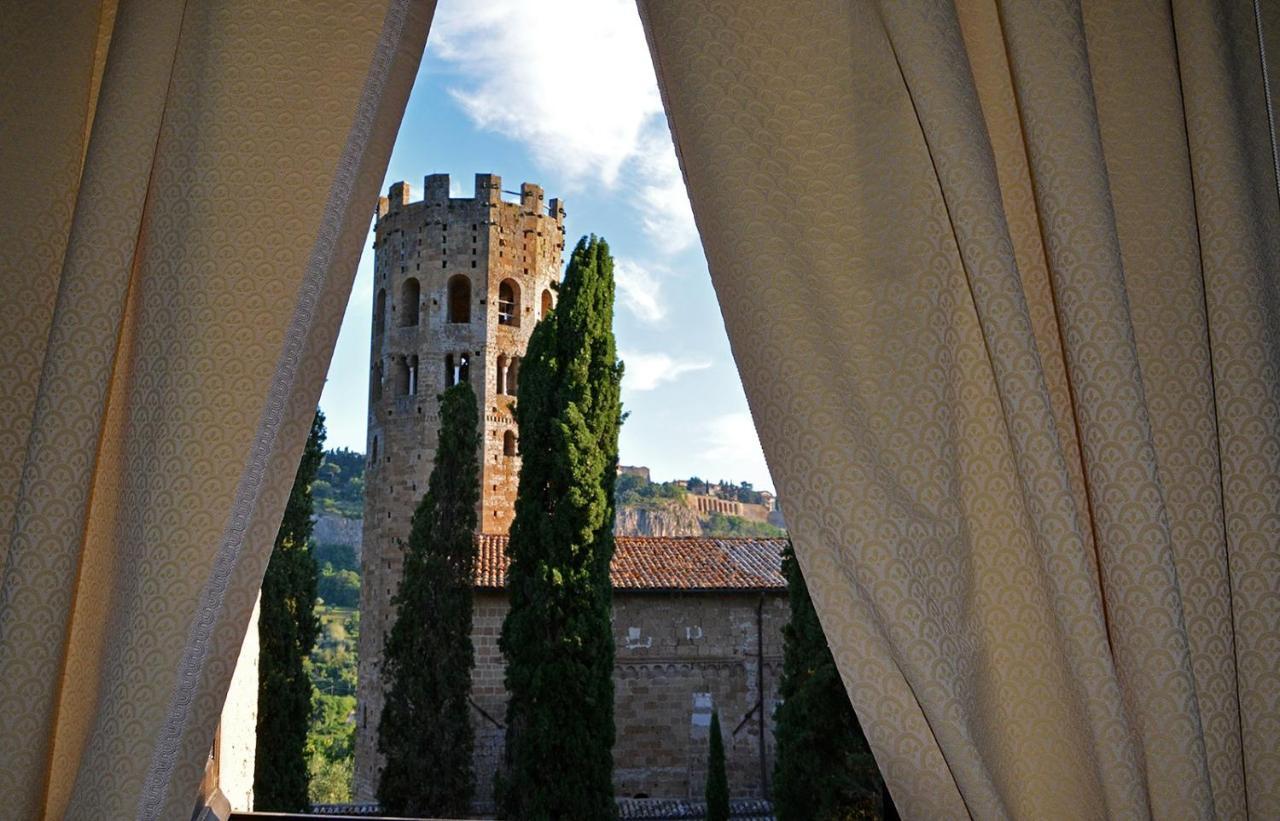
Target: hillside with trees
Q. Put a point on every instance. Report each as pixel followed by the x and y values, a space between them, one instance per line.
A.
pixel 337 494
pixel 339 485
pixel 647 508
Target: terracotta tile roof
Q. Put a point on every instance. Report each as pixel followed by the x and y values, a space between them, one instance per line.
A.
pixel 665 563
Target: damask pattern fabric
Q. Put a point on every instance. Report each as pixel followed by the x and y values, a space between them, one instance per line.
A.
pixel 1001 279
pixel 186 189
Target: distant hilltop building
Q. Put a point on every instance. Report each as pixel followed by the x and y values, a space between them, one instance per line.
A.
pixel 459 284
pixel 731 507
pixel 634 470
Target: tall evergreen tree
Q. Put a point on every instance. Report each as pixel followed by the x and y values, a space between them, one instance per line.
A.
pixel 717 790
pixel 557 637
pixel 824 769
pixel 425 729
pixel 287 630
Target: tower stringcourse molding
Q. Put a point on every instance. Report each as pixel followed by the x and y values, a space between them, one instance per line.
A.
pixel 458 285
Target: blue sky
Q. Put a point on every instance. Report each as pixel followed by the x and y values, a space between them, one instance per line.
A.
pixel 563 94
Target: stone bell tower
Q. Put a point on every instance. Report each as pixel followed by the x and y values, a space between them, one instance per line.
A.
pixel 458 286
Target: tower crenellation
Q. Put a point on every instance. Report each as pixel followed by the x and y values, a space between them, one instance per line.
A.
pixel 459 284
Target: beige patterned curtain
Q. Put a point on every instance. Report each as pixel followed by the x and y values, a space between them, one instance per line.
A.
pixel 1001 279
pixel 186 187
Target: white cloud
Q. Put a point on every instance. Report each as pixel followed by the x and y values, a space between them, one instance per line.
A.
pixel 639 291
pixel 732 447
pixel 646 371
pixel 572 81
pixel 663 200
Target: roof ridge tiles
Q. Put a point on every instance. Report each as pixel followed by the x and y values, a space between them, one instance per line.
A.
pixel 668 563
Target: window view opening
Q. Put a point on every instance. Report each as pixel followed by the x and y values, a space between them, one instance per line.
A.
pixel 379 312
pixel 500 387
pixel 459 299
pixel 409 298
pixel 508 303
pixel 401 373
pixel 607 168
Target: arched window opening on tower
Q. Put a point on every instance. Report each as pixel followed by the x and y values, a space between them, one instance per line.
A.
pixel 379 312
pixel 501 371
pixel 373 452
pixel 546 303
pixel 464 368
pixel 409 302
pixel 509 303
pixel 375 382
pixel 513 376
pixel 450 371
pixel 509 444
pixel 401 376
pixel 459 299
pixel 413 375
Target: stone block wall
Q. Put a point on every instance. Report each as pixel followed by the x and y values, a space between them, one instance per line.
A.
pixel 678 656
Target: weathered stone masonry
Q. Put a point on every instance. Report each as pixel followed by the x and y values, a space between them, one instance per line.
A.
pixel 689 616
pixel 458 285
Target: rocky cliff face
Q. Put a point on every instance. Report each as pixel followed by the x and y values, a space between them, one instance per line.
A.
pixel 671 520
pixel 331 529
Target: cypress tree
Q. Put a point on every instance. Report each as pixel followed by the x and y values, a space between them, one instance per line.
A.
pixel 557 637
pixel 425 729
pixel 717 791
pixel 287 630
pixel 824 769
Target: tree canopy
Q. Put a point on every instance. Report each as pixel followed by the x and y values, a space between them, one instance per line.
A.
pixel 557 637
pixel 425 729
pixel 286 633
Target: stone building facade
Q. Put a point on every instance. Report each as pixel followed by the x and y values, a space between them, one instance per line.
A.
pixel 707 505
pixel 459 284
pixel 697 625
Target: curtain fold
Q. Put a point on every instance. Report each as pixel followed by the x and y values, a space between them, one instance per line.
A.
pixel 1001 282
pixel 188 197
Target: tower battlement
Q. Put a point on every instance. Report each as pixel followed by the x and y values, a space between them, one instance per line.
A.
pixel 459 283
pixel 488 191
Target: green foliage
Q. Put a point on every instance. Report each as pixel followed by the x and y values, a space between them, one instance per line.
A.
pixel 557 637
pixel 425 729
pixel 339 486
pixel 333 661
pixel 331 738
pixel 717 790
pixel 718 524
pixel 742 492
pixel 331 779
pixel 636 491
pixel 339 583
pixel 338 588
pixel 286 632
pixel 331 748
pixel 824 769
pixel 340 556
